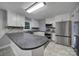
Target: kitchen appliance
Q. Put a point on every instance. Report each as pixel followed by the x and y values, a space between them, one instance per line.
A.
pixel 75 31
pixel 63 33
pixel 49 31
pixel 75 36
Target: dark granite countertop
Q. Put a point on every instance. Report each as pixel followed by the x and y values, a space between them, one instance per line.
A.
pixel 27 41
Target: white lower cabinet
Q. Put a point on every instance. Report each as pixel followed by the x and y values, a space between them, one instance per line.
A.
pixel 39 33
pixel 19 52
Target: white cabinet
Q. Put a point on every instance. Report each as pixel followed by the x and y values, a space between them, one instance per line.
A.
pixel 39 33
pixel 49 21
pixel 20 21
pixel 14 19
pixel 11 19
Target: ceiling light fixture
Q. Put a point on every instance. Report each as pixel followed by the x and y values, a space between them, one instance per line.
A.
pixel 35 6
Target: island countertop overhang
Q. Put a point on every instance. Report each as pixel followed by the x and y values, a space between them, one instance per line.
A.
pixel 27 41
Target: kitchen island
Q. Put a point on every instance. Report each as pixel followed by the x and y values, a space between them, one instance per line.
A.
pixel 27 44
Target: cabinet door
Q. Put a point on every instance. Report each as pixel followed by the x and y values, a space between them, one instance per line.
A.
pixel 20 21
pixel 39 33
pixel 49 21
pixel 11 19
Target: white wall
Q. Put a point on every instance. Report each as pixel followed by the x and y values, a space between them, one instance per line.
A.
pixel 42 25
pixel 3 29
pixel 3 41
pixel 1 23
pixel 33 23
pixel 49 20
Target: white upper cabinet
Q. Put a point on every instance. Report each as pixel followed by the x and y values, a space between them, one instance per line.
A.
pixel 11 19
pixel 49 21
pixel 20 20
pixel 14 19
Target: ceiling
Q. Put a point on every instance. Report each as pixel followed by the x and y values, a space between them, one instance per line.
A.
pixel 14 6
pixel 51 9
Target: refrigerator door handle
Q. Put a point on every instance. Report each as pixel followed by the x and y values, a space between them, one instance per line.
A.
pixel 63 36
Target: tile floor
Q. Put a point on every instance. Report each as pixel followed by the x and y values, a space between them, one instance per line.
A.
pixel 58 50
pixel 51 50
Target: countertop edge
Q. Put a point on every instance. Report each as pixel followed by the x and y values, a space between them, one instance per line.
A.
pixel 29 48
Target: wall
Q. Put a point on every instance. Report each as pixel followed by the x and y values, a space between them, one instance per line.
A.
pixel 33 23
pixel 42 25
pixel 3 29
pixel 1 23
pixel 64 17
pixel 3 41
pixel 36 23
pixel 49 20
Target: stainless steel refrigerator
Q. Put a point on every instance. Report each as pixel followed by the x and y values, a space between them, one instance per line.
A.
pixel 75 36
pixel 63 33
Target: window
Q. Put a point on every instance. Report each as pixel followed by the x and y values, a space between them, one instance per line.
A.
pixel 27 25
